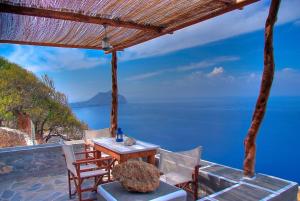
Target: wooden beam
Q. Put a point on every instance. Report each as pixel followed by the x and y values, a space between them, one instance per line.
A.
pixel 265 88
pixel 227 1
pixel 238 5
pixel 73 16
pixel 48 44
pixel 114 93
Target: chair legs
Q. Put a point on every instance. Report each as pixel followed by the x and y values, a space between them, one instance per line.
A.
pixel 195 190
pixel 69 184
pixel 79 189
pixel 78 185
pixel 196 181
pixel 192 186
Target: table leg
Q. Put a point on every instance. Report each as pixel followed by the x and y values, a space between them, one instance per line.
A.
pixel 122 159
pixel 86 148
pixel 98 155
pixel 151 159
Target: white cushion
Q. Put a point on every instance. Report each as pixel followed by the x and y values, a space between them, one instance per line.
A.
pixel 174 178
pixel 92 173
pixel 88 166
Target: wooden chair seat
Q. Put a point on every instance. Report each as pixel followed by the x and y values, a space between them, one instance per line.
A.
pixel 92 173
pixel 88 166
pixel 174 178
pixel 81 169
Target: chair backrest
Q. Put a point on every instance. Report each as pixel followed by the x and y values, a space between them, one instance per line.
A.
pixel 70 157
pixel 194 153
pixel 180 162
pixel 91 134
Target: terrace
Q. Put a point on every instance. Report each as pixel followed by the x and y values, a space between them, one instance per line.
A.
pixel 39 172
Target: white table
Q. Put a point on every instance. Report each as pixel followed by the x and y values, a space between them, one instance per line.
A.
pixel 122 153
pixel 115 192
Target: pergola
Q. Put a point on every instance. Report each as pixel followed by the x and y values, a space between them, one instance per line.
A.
pixel 80 24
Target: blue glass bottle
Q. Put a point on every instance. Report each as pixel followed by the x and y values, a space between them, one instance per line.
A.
pixel 119 137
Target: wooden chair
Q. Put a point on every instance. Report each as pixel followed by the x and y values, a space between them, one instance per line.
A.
pixel 89 135
pixel 80 170
pixel 181 169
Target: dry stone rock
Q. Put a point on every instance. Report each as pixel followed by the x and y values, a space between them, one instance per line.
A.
pixel 12 137
pixel 5 169
pixel 129 142
pixel 137 176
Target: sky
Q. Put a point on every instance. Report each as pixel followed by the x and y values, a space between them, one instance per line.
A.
pixel 216 58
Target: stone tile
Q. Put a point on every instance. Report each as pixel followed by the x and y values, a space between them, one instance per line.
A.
pixel 16 197
pixel 50 196
pixel 4 186
pixel 49 188
pixel 267 182
pixel 244 193
pixel 18 185
pixel 35 187
pixel 64 198
pixel 7 194
pixel 226 172
pixel 58 181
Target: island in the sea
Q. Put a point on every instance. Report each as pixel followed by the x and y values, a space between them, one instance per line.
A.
pixel 100 99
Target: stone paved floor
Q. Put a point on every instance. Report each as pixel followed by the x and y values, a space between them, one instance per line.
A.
pixel 50 188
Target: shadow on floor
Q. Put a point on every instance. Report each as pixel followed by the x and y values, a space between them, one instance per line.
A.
pixel 50 188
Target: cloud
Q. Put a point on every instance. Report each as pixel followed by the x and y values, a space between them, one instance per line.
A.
pixel 195 75
pixel 190 67
pixel 38 59
pixel 251 18
pixel 288 70
pixel 146 75
pixel 194 85
pixel 216 71
pixel 285 83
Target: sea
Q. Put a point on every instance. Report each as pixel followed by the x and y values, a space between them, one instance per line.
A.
pixel 219 125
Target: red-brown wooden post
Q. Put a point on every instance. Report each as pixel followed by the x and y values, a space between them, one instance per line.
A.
pixel 114 102
pixel 266 84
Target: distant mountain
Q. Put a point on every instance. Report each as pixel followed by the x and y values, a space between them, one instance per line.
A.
pixel 102 98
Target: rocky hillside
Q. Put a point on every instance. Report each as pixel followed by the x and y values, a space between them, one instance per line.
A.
pixel 100 99
pixel 12 137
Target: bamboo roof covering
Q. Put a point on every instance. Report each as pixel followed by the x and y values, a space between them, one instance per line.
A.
pixel 79 24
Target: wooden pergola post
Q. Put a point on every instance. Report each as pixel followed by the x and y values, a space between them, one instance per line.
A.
pixel 265 88
pixel 114 102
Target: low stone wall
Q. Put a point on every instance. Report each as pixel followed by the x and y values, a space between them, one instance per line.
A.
pixel 32 161
pixel 11 138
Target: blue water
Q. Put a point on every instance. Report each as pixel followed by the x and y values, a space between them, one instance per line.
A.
pixel 219 125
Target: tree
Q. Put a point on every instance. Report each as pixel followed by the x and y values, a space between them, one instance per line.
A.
pixel 21 92
pixel 265 88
